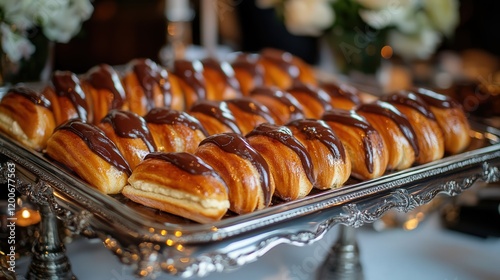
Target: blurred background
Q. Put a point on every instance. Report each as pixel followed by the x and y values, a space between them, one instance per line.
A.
pixel 120 30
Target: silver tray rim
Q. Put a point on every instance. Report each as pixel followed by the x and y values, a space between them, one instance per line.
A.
pixel 71 190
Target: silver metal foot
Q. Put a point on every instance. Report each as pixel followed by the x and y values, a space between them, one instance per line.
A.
pixel 343 260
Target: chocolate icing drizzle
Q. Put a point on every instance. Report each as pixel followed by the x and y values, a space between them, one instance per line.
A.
pixel 351 118
pixel 34 96
pixel 251 106
pixel 105 77
pixel 284 135
pixel 236 144
pixel 436 100
pixel 191 73
pixel 67 84
pixel 98 142
pixel 293 105
pixel 248 63
pixel 149 75
pixel 343 91
pixel 224 69
pixel 385 109
pixel 130 125
pixel 411 100
pixel 318 129
pixel 217 110
pixel 162 115
pixel 185 161
pixel 281 59
pixel 317 93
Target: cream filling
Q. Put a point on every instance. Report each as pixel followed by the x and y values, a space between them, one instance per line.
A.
pixel 13 127
pixel 179 195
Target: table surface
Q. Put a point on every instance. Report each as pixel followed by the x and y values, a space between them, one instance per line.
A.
pixel 427 252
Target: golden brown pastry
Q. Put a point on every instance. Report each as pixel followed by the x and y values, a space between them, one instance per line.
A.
pixel 215 116
pixel 86 150
pixel 451 119
pixel 130 133
pixel 26 115
pixel 289 162
pixel 342 96
pixel 191 80
pixel 244 170
pixel 102 83
pixel 148 86
pixel 174 131
pixel 248 72
pixel 399 137
pixel 314 100
pixel 364 144
pixel 332 165
pixel 220 80
pixel 430 137
pixel 282 69
pixel 181 184
pixel 279 69
pixel 248 113
pixel 67 97
pixel 281 104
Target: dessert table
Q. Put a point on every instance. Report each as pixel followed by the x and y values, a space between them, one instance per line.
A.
pixel 428 252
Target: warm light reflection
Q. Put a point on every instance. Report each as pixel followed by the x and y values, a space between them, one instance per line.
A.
pixel 411 224
pixel 27 217
pixel 178 233
pixel 386 52
pixel 169 242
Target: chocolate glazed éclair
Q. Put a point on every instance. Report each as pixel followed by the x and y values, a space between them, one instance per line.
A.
pixel 170 116
pixel 185 161
pixel 284 135
pixel 67 84
pixel 318 129
pixel 98 142
pixel 236 144
pixel 410 99
pixel 105 77
pixel 34 96
pixel 350 118
pixel 391 112
pixel 217 110
pixel 149 75
pixel 130 125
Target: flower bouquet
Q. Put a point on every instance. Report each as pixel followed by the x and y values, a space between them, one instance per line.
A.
pixel 362 32
pixel 29 27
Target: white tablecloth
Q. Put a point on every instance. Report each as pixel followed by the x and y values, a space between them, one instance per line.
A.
pixel 428 252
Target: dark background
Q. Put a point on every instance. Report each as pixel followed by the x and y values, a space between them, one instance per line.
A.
pixel 121 30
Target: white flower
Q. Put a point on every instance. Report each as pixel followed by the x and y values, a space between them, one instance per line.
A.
pixel 444 14
pixel 14 45
pixel 310 17
pixel 388 12
pixel 420 45
pixel 377 4
pixel 18 13
pixel 61 19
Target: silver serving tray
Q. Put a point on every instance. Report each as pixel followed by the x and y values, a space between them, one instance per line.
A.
pixel 154 241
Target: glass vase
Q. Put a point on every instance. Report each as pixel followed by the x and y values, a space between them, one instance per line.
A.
pixel 35 69
pixel 356 50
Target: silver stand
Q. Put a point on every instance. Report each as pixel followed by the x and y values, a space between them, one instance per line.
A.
pixel 49 260
pixel 343 261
